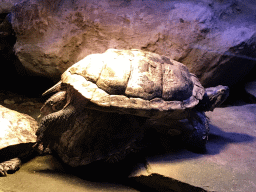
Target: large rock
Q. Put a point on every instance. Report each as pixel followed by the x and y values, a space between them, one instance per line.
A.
pixel 215 39
pixel 6 5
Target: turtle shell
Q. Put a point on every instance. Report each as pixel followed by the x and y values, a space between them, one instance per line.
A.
pixel 16 129
pixel 134 82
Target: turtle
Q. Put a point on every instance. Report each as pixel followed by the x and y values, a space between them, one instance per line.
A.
pixel 17 137
pixel 100 108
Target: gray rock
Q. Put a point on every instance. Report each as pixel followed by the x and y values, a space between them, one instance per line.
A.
pixel 214 39
pixel 6 5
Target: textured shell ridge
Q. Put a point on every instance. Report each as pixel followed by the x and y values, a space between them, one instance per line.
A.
pixel 146 78
pixel 134 81
pixel 90 67
pixel 115 74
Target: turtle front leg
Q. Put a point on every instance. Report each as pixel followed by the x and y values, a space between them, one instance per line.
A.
pixel 196 139
pixel 9 166
pixel 52 126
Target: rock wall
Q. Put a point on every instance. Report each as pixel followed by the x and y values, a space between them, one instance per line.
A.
pixel 215 39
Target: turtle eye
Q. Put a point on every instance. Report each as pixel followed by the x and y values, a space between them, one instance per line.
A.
pixel 51 103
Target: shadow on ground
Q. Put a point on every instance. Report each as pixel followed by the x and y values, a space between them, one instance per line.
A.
pixel 161 148
pixel 103 174
pixel 219 139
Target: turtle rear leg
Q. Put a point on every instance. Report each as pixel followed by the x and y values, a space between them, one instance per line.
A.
pixel 9 166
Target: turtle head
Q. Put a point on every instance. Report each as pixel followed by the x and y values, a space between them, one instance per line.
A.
pixel 54 103
pixel 213 97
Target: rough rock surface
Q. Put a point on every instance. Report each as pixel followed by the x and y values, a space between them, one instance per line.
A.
pixel 215 39
pixel 21 103
pixel 6 5
pixel 11 67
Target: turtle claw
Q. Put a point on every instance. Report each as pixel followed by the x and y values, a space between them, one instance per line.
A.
pixel 3 173
pixel 9 166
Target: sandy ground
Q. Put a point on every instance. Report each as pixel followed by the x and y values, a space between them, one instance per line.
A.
pixel 228 165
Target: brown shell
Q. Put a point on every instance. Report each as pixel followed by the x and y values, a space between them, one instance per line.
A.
pixel 134 82
pixel 16 128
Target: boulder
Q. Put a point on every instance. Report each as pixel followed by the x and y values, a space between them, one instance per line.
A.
pixel 6 5
pixel 13 75
pixel 215 39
